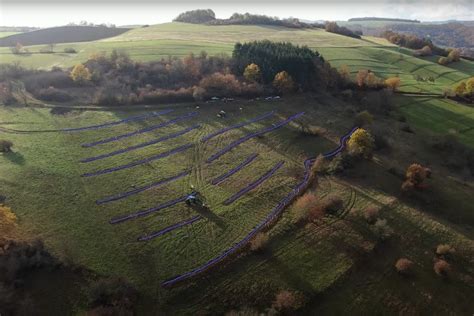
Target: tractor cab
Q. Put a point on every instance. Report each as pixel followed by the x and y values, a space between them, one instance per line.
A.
pixel 195 199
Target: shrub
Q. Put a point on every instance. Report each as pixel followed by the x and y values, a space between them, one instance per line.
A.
pixel 443 61
pixel 5 146
pixel 363 118
pixel 444 249
pixel 361 143
pixel 403 265
pixel 318 165
pixel 220 85
pixel 371 213
pixel 283 83
pixel 80 73
pixel 367 79
pixel 415 176
pixel 303 207
pixel 309 209
pixel 252 73
pixel 259 242
pixel 18 258
pixel 6 94
pixel 44 80
pixel 380 141
pixel 287 301
pixel 470 85
pixel 334 28
pixel 441 267
pixel 454 55
pixel 345 73
pixel 112 93
pixel 460 89
pixel 164 96
pixel 70 50
pixel 251 90
pixel 382 230
pixel 7 220
pixel 332 204
pixel 17 49
pixel 425 51
pixel 53 94
pixel 393 83
pixel 339 164
pixel 113 294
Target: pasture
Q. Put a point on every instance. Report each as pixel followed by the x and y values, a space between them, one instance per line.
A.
pixel 179 39
pixel 5 33
pixel 76 215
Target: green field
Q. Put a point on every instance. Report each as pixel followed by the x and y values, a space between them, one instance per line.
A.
pixel 43 184
pixel 53 202
pixel 5 34
pixel 179 39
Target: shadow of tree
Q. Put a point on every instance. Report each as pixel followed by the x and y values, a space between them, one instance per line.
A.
pixel 15 157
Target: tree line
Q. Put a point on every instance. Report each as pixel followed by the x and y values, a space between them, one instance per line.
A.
pixel 208 16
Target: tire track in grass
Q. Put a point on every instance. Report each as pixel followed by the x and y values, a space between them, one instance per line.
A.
pixel 140 131
pixel 276 211
pixel 141 145
pixel 139 162
pixel 124 218
pixel 126 120
pixel 252 135
pixel 254 184
pixel 256 119
pixel 123 195
pixel 229 173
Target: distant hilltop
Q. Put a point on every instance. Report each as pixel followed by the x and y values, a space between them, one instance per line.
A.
pixel 382 19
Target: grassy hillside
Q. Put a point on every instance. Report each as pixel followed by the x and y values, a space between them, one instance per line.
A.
pixel 380 56
pixel 43 183
pixel 61 34
pixel 179 39
pixel 5 34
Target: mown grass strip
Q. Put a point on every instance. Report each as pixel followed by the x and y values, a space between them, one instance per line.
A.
pixel 252 135
pixel 143 130
pixel 141 189
pixel 222 131
pixel 170 228
pixel 224 176
pixel 138 162
pixel 126 120
pixel 254 184
pixel 274 214
pixel 121 219
pixel 152 142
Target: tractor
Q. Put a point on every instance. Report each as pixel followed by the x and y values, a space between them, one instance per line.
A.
pixel 195 199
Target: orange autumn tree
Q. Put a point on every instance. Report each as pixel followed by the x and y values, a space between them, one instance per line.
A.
pixel 283 82
pixel 415 176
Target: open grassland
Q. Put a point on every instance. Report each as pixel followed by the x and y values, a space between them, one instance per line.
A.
pixel 179 39
pixel 5 34
pixel 43 183
pixel 378 55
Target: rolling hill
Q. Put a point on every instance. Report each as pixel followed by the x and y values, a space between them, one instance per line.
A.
pixel 61 34
pixel 104 187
